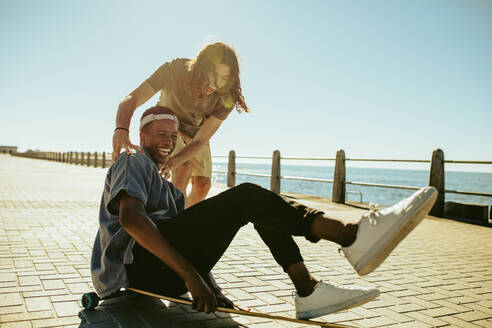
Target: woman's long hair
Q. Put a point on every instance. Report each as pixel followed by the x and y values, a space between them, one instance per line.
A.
pixel 217 53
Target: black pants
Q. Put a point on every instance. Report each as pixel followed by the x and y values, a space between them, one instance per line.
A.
pixel 203 232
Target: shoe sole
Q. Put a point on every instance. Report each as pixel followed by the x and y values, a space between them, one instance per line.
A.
pixel 306 315
pixel 365 267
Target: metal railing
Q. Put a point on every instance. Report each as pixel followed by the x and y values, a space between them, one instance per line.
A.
pixel 436 176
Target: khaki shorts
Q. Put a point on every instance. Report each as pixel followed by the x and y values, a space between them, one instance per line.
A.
pixel 201 164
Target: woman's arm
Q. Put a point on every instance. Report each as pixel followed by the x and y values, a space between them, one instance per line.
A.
pixel 207 130
pixel 127 107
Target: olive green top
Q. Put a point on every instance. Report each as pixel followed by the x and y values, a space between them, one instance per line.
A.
pixel 170 80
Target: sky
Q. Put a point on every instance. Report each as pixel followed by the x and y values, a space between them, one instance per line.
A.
pixel 379 79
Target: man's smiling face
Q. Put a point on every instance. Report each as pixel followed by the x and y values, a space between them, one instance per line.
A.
pixel 158 138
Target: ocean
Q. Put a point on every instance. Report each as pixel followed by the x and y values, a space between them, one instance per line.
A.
pixel 462 181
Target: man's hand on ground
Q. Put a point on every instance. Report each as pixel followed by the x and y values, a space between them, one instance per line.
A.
pixel 203 298
pixel 121 139
pixel 222 300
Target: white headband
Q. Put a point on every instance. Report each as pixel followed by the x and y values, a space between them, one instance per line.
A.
pixel 153 117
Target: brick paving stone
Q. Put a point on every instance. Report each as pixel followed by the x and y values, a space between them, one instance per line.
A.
pixel 281 284
pixel 22 324
pixel 413 324
pixel 53 284
pixel 25 316
pixel 45 293
pixel 378 303
pixel 478 307
pixel 268 298
pixel 65 298
pixel 78 288
pixel 451 305
pixel 8 277
pixel 483 323
pixel 249 303
pixel 65 269
pixel 342 316
pixel 9 299
pixel 12 309
pixel 427 304
pixel 55 322
pixel 29 281
pixel 376 322
pixel 38 304
pixel 455 322
pixel 388 313
pixel 427 319
pixel 239 294
pixel 64 309
pixel 474 315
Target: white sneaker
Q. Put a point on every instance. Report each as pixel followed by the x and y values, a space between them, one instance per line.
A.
pixel 380 231
pixel 327 298
pixel 186 296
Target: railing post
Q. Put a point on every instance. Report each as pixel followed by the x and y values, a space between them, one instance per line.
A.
pixel 275 176
pixel 88 158
pixel 436 180
pixel 338 195
pixel 95 159
pixel 104 160
pixel 231 169
pixel 70 157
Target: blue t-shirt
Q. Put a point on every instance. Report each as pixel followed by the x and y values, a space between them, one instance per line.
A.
pixel 137 175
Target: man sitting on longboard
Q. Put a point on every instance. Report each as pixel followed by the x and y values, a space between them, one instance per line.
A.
pixel 147 240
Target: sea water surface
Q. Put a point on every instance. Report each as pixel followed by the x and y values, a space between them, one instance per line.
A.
pixel 462 181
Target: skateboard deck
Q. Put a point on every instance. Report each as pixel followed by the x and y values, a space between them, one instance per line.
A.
pixel 241 311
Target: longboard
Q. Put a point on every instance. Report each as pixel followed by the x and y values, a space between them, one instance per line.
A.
pixel 91 300
pixel 241 311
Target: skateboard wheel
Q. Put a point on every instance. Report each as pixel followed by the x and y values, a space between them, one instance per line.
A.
pixel 89 301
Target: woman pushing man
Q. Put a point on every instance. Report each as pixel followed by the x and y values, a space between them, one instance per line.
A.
pixel 201 92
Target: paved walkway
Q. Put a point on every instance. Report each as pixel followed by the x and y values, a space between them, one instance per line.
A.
pixel 440 276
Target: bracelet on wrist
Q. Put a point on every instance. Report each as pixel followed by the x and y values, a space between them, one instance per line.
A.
pixel 122 129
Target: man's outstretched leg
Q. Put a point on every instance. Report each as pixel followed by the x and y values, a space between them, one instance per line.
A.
pixel 203 232
pixel 365 244
pixel 377 233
